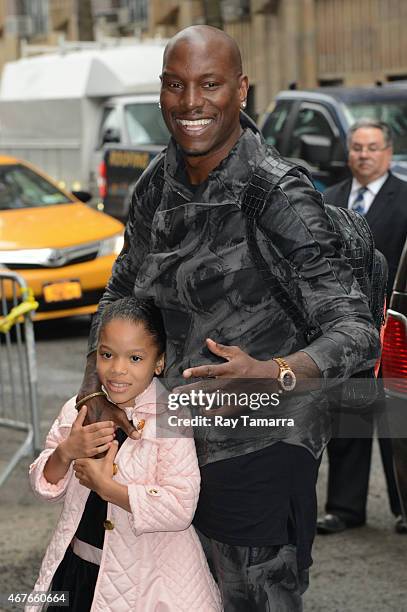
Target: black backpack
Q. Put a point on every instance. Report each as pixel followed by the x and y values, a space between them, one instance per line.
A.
pixel 368 264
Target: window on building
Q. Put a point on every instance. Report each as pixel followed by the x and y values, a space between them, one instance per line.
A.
pixel 330 82
pixel 397 77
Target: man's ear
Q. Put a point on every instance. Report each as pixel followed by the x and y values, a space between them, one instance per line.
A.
pixel 243 87
pixel 159 366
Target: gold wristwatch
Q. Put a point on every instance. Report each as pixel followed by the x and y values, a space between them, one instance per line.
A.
pixel 286 377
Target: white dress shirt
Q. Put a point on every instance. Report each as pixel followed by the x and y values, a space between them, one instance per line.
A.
pixel 373 189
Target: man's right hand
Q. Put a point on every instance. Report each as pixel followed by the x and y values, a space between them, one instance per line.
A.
pixel 99 408
pixel 87 440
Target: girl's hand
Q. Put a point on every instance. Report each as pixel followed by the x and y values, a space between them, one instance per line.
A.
pixel 95 474
pixel 87 440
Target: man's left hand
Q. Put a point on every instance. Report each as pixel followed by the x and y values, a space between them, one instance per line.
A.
pixel 238 364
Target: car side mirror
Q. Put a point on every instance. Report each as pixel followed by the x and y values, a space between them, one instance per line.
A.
pixel 110 135
pixel 339 155
pixel 83 196
pixel 315 149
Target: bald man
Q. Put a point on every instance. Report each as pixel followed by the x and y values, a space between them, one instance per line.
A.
pixel 187 247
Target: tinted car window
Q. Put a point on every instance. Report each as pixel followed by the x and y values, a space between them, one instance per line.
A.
pixel 394 113
pixel 274 124
pixel 308 121
pixel 20 187
pixel 145 124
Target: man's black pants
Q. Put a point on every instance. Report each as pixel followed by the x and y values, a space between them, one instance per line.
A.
pixel 348 480
pixel 256 579
pixel 349 467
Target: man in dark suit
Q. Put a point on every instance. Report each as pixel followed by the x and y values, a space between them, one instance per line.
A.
pixel 376 193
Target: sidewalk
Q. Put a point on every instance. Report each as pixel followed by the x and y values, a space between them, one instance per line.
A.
pixel 361 570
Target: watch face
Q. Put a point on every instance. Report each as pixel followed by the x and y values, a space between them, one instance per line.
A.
pixel 287 380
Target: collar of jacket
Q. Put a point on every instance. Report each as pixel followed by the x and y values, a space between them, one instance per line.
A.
pixel 226 181
pixel 150 401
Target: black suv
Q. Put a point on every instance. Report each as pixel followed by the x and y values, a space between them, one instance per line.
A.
pixel 311 126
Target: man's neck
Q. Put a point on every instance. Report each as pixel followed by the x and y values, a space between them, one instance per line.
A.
pixel 364 183
pixel 199 167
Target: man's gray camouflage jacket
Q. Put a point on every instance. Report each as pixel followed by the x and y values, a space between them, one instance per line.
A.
pixel 189 252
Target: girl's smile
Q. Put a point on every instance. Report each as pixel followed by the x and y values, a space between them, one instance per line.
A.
pixel 127 359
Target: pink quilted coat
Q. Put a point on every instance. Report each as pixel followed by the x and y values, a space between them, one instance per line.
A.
pixel 152 560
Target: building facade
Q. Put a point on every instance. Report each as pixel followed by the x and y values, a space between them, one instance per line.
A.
pixel 307 42
pixel 45 22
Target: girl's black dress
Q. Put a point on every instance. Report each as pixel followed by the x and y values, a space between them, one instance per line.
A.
pixel 74 574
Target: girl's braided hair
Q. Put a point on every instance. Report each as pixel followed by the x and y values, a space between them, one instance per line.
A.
pixel 136 310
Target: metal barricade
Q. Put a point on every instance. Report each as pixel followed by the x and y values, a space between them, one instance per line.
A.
pixel 19 422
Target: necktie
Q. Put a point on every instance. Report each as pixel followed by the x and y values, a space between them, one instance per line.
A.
pixel 358 205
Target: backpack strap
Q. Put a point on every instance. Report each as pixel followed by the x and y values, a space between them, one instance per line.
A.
pixel 154 178
pixel 157 174
pixel 265 178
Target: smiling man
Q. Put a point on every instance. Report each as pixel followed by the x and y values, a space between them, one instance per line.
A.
pixel 187 247
pixel 203 89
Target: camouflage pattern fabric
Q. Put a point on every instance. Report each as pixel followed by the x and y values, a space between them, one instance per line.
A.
pixel 256 579
pixel 189 252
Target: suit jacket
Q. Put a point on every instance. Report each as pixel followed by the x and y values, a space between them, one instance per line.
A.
pixel 387 218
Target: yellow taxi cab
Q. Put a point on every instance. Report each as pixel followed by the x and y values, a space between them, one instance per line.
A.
pixel 62 248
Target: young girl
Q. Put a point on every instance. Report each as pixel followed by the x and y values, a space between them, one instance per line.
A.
pixel 124 541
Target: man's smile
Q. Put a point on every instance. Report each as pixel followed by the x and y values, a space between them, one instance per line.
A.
pixel 194 126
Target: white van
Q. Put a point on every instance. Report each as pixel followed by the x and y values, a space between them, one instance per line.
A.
pixel 58 111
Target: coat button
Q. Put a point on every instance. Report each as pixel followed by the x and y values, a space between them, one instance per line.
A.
pixel 153 491
pixel 108 525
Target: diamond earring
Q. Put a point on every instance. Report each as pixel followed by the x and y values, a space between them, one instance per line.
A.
pixel 159 105
pixel 243 104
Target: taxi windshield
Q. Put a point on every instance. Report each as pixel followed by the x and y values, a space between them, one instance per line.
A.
pixel 393 112
pixel 21 187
